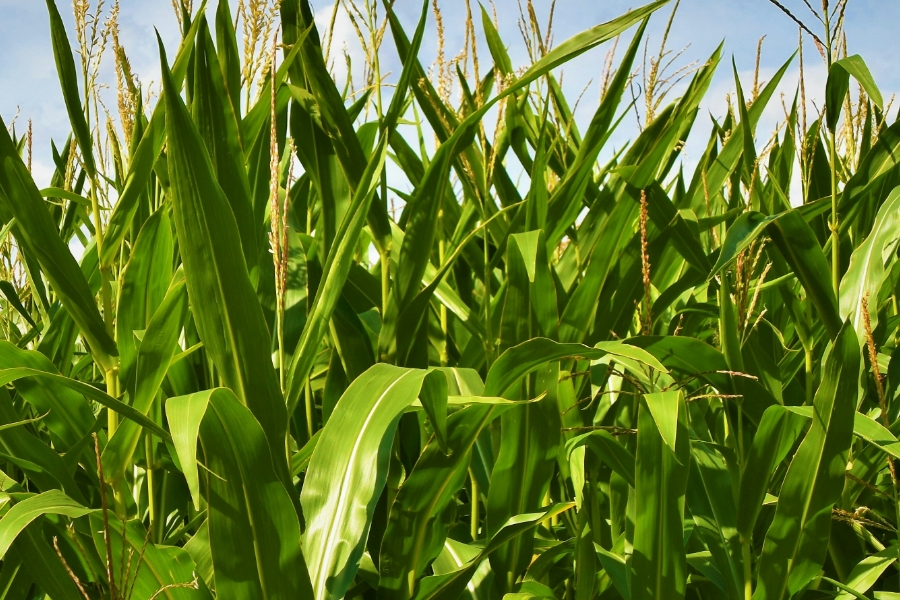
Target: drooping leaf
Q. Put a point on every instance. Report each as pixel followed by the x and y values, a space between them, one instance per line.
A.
pixel 253 528
pixel 26 511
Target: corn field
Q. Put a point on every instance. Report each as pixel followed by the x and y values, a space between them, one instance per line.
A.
pixel 271 333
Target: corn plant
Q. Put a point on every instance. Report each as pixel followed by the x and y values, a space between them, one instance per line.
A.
pixel 545 370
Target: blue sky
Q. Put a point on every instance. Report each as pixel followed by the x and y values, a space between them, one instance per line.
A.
pixel 28 81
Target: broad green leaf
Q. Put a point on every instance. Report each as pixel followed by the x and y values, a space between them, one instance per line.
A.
pixel 157 349
pixel 144 283
pixel 527 356
pixel 796 541
pixel 857 67
pixel 420 516
pixel 344 480
pixel 217 123
pixel 50 471
pixel 567 197
pixel 449 586
pixel 229 55
pixel 838 84
pixel 532 248
pixel 712 506
pixel 529 448
pixel 69 417
pixel 866 272
pixel 225 307
pixel 774 438
pixel 617 569
pixel 732 151
pixel 664 407
pixel 152 569
pixel 26 511
pixel 296 17
pixel 864 428
pixel 43 565
pixel 199 550
pixel 866 573
pixel 800 248
pixel 872 182
pixel 457 554
pixel 729 336
pixel 616 456
pixel 412 261
pixel 253 529
pixel 36 231
pixel 13 298
pixel 745 229
pixel 88 391
pixel 185 414
pixel 659 562
pixel 336 269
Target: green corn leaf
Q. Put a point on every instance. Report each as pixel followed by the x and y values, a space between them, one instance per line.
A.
pixel 712 506
pixel 799 247
pixel 872 182
pixel 775 436
pixel 616 456
pixel 449 586
pixel 728 328
pixel 520 360
pixel 795 542
pixel 10 375
pixel 144 283
pixel 154 569
pixel 217 123
pixel 336 269
pixel 297 16
pixel 68 79
pixel 495 44
pixel 420 516
pixel 38 234
pixel 567 196
pixel 529 447
pixel 864 428
pixel 457 554
pixel 9 292
pixel 229 56
pixel 344 480
pixel 745 229
pixel 659 561
pixel 253 529
pixel 157 349
pixel 412 259
pixel 198 548
pixel 42 564
pixel 69 417
pixel 838 84
pixel 226 310
pixel 727 160
pixel 866 272
pixel 19 444
pixel 866 573
pixel 145 156
pixel 26 511
pixel 664 407
pixel 185 414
